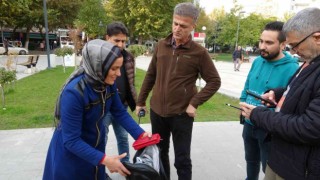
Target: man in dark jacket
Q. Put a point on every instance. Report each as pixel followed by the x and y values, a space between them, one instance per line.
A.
pixel 237 57
pixel 117 34
pixel 175 66
pixel 295 126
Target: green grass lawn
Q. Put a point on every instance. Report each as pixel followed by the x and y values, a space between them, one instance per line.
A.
pixel 227 57
pixel 30 101
pixel 224 57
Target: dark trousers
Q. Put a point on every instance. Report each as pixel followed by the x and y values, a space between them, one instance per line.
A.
pixel 180 127
pixel 256 150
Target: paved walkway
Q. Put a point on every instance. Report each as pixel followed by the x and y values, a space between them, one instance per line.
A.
pixel 232 81
pixel 217 147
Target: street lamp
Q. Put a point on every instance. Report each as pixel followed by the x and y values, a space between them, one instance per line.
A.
pixel 238 28
pixel 45 16
pixel 215 36
pixel 204 28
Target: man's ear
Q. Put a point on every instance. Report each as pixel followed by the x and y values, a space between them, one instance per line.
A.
pixel 194 26
pixel 107 37
pixel 283 46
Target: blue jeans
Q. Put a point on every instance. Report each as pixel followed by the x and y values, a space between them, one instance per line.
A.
pixel 256 150
pixel 121 135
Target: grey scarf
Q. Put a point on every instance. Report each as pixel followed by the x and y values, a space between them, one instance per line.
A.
pixel 98 56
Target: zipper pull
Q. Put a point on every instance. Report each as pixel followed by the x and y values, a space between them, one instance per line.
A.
pixel 306 173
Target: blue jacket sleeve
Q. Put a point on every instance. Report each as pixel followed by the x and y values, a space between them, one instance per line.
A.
pixel 123 117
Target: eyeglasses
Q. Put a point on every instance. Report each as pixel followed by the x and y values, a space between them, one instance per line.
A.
pixel 293 48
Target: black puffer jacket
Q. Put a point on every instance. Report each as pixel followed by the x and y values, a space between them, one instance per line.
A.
pixel 129 65
pixel 295 130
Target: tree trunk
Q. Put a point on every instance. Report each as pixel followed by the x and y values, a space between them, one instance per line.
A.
pixel 64 65
pixel 26 45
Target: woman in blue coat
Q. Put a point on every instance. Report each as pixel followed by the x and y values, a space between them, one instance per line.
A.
pixel 77 147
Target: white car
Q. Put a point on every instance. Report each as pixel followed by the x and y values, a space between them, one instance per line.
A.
pixel 248 49
pixel 14 50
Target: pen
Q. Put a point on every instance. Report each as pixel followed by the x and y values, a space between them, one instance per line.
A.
pixel 234 106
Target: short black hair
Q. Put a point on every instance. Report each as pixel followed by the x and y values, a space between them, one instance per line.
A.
pixel 276 26
pixel 116 28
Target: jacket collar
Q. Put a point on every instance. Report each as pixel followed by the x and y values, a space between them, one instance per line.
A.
pixel 315 60
pixel 187 45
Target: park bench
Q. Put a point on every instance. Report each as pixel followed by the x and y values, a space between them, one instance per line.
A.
pixel 246 59
pixel 30 64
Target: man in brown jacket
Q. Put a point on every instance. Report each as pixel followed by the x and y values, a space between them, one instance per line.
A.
pixel 175 66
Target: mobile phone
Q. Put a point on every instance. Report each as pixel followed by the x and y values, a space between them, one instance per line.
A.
pixel 260 98
pixel 234 107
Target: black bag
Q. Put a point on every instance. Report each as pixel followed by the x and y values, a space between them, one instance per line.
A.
pixel 146 165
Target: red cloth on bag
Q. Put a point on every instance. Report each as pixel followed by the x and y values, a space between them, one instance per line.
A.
pixel 142 142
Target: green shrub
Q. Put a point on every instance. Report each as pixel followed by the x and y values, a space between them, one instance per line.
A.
pixel 64 51
pixel 7 76
pixel 137 50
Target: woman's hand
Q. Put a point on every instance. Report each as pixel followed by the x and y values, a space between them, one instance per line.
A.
pixel 146 134
pixel 114 165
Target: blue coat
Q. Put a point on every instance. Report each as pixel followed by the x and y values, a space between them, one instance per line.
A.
pixel 78 143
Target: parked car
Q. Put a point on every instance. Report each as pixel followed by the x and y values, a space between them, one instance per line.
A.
pixel 248 49
pixel 14 50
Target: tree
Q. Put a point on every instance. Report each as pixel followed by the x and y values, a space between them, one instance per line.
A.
pixel 28 14
pixel 6 77
pixel 22 14
pixel 213 26
pixel 287 16
pixel 59 10
pixel 91 15
pixel 145 19
pixel 65 51
pixel 9 9
pixel 16 14
pixel 251 28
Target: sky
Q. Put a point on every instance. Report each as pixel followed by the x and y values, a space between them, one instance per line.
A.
pixel 209 5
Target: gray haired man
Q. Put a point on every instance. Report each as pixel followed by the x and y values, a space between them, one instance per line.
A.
pixel 176 63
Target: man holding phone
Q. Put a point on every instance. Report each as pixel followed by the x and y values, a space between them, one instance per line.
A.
pixel 273 68
pixel 295 124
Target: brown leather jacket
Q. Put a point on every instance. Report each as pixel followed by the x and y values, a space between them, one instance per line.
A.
pixel 172 76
